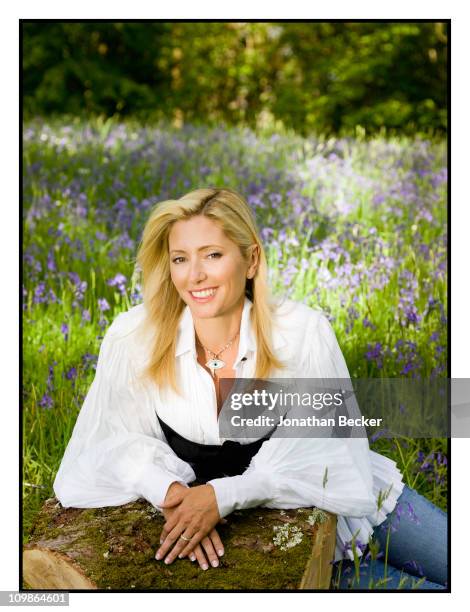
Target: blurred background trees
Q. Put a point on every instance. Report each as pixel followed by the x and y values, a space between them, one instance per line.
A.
pixel 310 77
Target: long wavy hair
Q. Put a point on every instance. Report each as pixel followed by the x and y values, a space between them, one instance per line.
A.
pixel 164 306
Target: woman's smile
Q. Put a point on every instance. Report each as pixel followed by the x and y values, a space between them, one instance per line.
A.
pixel 203 295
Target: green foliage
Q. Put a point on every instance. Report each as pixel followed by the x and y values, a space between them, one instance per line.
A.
pixel 313 77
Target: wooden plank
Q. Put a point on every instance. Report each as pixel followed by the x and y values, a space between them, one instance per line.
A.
pixel 318 570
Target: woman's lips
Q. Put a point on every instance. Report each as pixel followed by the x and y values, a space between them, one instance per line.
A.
pixel 203 300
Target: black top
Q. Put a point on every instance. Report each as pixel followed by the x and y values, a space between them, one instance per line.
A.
pixel 212 460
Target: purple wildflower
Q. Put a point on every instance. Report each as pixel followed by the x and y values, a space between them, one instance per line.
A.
pixel 378 199
pixel 71 374
pixel 82 202
pixel 375 354
pixel 64 328
pixel 33 263
pixel 73 276
pixel 50 378
pixel 290 271
pixel 51 262
pixel 39 293
pixel 52 297
pixel 407 368
pixel 118 281
pixel 46 401
pixel 266 233
pixel 412 315
pixel 361 545
pixel 378 434
pixel 79 288
pixel 89 360
pixel 103 305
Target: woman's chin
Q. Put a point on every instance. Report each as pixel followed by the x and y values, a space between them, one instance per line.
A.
pixel 204 311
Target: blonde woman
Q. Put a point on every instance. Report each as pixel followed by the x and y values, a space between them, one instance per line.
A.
pixel 149 424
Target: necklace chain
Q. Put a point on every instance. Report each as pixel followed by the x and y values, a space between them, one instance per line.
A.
pixel 216 355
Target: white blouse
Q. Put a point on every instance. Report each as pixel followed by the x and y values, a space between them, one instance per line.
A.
pixel 118 452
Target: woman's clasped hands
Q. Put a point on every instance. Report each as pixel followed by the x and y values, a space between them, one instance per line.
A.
pixel 191 515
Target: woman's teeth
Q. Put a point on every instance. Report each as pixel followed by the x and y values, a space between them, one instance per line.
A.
pixel 203 294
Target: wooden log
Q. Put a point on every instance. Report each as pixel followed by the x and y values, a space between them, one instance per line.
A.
pixel 114 548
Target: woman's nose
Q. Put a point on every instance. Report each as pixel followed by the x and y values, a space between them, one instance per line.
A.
pixel 196 272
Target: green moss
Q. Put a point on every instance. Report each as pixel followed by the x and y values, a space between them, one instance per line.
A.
pixel 116 547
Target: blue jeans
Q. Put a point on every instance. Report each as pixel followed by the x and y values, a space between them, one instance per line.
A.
pixel 417 548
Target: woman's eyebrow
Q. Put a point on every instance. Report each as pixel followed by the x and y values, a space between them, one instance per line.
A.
pixel 207 246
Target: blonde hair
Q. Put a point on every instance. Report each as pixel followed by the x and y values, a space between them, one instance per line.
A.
pixel 163 304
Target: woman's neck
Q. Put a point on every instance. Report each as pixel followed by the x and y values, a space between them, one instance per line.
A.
pixel 216 332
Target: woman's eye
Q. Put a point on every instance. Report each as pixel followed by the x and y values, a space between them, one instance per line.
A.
pixel 178 260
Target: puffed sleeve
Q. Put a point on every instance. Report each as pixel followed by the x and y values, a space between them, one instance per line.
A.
pixel 117 452
pixel 330 473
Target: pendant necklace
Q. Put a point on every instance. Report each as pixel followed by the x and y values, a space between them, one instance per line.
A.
pixel 215 363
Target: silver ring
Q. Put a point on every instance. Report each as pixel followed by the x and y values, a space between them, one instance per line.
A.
pixel 185 539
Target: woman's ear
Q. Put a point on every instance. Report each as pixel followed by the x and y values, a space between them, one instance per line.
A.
pixel 254 260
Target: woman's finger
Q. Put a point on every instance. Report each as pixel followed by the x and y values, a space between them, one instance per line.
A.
pixel 163 535
pixel 169 524
pixel 172 521
pixel 170 540
pixel 173 499
pixel 216 542
pixel 210 552
pixel 201 557
pixel 184 540
pixel 196 539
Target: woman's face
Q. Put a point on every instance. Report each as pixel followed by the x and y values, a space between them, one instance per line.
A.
pixel 207 268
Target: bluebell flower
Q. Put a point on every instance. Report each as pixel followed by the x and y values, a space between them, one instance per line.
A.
pixel 103 304
pixel 46 401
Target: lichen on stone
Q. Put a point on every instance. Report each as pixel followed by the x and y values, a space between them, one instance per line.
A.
pixel 287 536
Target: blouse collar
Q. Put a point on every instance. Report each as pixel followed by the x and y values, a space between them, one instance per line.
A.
pixel 187 342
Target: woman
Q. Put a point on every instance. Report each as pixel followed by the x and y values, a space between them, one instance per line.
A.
pixel 149 424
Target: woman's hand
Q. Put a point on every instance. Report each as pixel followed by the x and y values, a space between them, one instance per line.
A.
pixel 210 544
pixel 195 513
